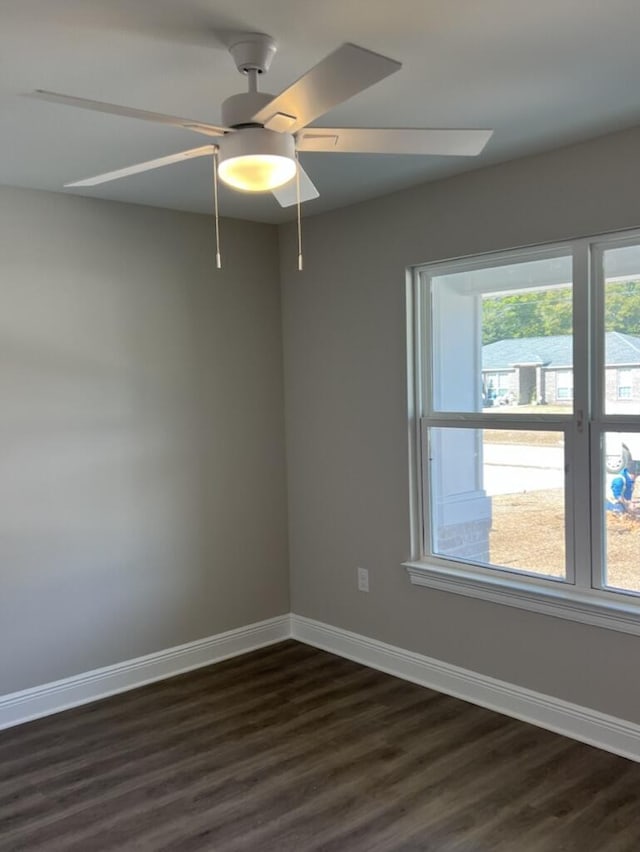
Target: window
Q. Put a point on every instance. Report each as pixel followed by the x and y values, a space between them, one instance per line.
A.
pixel 564 384
pixel 497 386
pixel 530 501
pixel 624 383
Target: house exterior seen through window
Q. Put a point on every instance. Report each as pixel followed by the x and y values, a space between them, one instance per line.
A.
pixel 525 406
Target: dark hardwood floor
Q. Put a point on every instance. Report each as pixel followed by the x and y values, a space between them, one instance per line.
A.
pixel 291 748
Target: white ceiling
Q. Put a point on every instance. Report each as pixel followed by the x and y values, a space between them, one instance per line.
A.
pixel 542 73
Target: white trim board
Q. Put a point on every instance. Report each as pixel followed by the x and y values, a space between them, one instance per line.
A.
pixel 602 609
pixel 571 720
pixel 18 707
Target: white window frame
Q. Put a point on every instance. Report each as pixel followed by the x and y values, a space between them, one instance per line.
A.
pixel 582 597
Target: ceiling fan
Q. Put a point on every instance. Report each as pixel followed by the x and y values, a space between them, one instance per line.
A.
pixel 256 148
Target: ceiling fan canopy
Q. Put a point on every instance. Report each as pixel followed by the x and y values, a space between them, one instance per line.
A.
pixel 258 143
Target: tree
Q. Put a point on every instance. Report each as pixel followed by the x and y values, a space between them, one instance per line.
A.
pixel 622 307
pixel 542 313
pixel 537 314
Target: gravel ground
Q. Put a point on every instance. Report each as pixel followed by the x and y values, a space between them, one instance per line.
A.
pixel 528 529
pixel 528 532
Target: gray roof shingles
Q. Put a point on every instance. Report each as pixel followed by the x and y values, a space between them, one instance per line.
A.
pixel 556 351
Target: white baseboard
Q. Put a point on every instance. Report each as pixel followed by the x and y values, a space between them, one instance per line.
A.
pixel 571 720
pixel 18 707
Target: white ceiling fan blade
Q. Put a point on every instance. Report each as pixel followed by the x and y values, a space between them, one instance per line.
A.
pixel 357 140
pixel 287 195
pixel 206 150
pixel 129 112
pixel 340 75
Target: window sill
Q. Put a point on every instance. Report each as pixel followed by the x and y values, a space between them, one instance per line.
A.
pixel 613 611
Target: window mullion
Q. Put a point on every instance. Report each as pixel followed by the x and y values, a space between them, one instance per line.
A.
pixel 598 390
pixel 577 444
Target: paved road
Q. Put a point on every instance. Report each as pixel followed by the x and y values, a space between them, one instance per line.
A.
pixel 515 468
pixel 524 455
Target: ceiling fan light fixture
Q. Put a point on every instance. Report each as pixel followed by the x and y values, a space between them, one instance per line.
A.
pixel 257 172
pixel 254 159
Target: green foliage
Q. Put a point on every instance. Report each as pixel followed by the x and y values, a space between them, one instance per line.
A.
pixel 547 312
pixel 537 314
pixel 622 307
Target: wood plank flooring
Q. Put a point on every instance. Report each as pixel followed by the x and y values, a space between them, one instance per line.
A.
pixel 290 748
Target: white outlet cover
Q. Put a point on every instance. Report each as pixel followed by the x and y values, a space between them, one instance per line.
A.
pixel 363 579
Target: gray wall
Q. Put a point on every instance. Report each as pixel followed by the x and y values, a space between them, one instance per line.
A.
pixel 346 423
pixel 142 486
pixel 142 493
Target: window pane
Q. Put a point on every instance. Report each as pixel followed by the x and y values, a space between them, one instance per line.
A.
pixel 502 336
pixel 622 511
pixel 622 330
pixel 498 498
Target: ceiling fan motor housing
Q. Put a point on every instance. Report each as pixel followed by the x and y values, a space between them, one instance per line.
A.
pixel 238 110
pixel 256 141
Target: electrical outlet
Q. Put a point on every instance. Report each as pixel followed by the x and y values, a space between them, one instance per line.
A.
pixel 363 579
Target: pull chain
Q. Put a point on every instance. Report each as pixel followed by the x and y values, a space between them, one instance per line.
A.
pixel 300 264
pixel 215 205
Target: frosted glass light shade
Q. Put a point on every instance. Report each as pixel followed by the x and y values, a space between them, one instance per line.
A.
pixel 257 172
pixel 256 159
